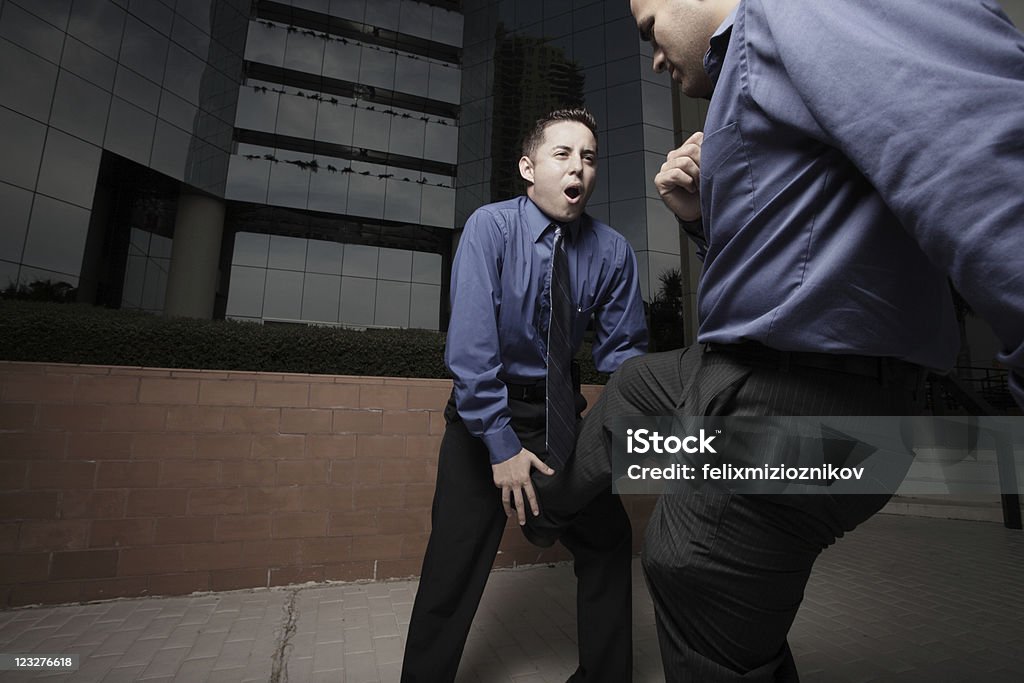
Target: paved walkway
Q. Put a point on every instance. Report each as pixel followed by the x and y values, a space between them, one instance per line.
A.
pixel 901 600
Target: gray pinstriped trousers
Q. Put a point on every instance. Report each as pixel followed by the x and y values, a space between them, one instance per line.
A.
pixel 727 572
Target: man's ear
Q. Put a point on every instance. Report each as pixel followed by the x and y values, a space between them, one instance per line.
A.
pixel 526 169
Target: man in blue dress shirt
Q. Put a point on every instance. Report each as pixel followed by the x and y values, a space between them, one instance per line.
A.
pixel 495 436
pixel 855 155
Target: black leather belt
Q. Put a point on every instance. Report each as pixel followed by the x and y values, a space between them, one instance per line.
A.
pixel 882 368
pixel 536 392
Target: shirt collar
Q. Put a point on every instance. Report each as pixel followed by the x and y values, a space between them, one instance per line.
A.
pixel 538 222
pixel 715 56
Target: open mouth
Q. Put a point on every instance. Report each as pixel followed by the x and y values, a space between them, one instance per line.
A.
pixel 573 192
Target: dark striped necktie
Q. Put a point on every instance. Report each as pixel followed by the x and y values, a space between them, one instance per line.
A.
pixel 561 403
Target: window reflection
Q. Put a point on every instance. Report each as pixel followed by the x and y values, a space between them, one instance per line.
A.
pixel 97 23
pixel 341 61
pixel 22 141
pixel 287 253
pixel 265 44
pixel 31 32
pixel 33 80
pixel 402 201
pixel 129 131
pixel 184 73
pixel 245 298
pixel 283 297
pixel 69 168
pixel 289 185
pixel 383 13
pixel 395 264
pixel 296 116
pixel 144 49
pixel 304 53
pixel 80 108
pixel 133 88
pixel 248 179
pixel 321 298
pixel 377 68
pixel 251 249
pixel 90 64
pixel 56 235
pixel 358 296
pixel 16 203
pixel 361 260
pixel 426 268
pixel 324 257
pixel 392 308
pixel 257 109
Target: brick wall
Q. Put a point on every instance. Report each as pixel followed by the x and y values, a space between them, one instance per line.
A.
pixel 118 482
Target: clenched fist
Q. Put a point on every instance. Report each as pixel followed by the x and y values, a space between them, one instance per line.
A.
pixel 678 182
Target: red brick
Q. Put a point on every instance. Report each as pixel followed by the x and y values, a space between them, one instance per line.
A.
pixel 358 421
pixel 32 446
pixel 305 421
pixel 423 447
pixel 300 525
pixel 175 530
pixel 226 392
pixel 12 475
pixel 212 556
pixel 157 502
pixel 23 505
pixel 403 521
pixel 330 497
pixel 61 475
pixel 237 579
pixel 189 473
pixel 420 495
pixel 399 569
pixel 222 501
pixel 252 420
pixel 223 446
pixel 325 551
pixel 166 559
pixel 376 547
pixel 132 418
pixel 9 537
pixel 343 471
pixel 116 474
pixel 275 500
pixel 404 471
pixel 49 593
pixel 163 446
pixel 195 419
pixel 282 552
pixel 288 576
pixel 53 535
pixel 116 533
pixel 179 584
pixel 278 446
pixel 93 504
pixel 334 396
pixel 358 523
pixel 331 446
pixel 282 394
pixel 106 389
pixel 302 472
pixel 406 422
pixel 249 472
pixel 349 571
pixel 17 416
pixel 38 389
pixel 84 564
pixel 384 397
pixel 437 424
pixel 107 589
pixel 429 397
pixel 243 527
pixel 382 496
pixel 99 446
pixel 169 391
pixel 24 567
pixel 380 446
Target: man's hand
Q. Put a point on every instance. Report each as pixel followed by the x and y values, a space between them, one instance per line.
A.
pixel 513 476
pixel 678 182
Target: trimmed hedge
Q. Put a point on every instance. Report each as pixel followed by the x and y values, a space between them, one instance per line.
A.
pixel 77 333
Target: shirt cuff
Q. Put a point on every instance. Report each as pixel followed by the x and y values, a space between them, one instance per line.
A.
pixel 502 445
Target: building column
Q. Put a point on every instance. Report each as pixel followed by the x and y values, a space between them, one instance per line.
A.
pixel 195 256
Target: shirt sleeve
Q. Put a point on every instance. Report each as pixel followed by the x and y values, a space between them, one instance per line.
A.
pixel 620 329
pixel 925 98
pixel 473 350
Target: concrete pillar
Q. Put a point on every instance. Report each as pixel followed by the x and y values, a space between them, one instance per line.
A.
pixel 195 256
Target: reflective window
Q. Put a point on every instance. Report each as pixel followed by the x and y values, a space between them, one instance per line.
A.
pixel 31 32
pixel 402 201
pixel 129 131
pixel 372 129
pixel 407 137
pixel 622 105
pixel 358 296
pixel 348 9
pixel 145 280
pixel 366 196
pixel 251 249
pixel 184 73
pixel 257 109
pixel 21 139
pixel 245 296
pixel 28 275
pixel 341 60
pixel 626 178
pixel 69 168
pixel 8 273
pixel 265 44
pixel 90 64
pixel 199 12
pixel 296 116
pixel 360 260
pixel 175 110
pixel 426 268
pixel 395 264
pixel 56 235
pixel 322 6
pixel 383 14
pixel 377 67
pixel 171 147
pixel 629 217
pixel 334 123
pixel 447 27
pixel 392 309
pixel 191 37
pixel 415 18
pixel 324 257
pixel 248 180
pixel 156 14
pixel 442 143
pixel 144 49
pixel 54 11
pixel 33 80
pixel 438 206
pixel 328 190
pixel 133 88
pixel 321 298
pixel 289 185
pixel 657 102
pixel 287 253
pixel 304 52
pixel 80 108
pixel 16 204
pixel 445 83
pixel 412 75
pixel 283 297
pixel 98 23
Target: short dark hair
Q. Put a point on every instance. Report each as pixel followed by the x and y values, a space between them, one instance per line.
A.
pixel 536 134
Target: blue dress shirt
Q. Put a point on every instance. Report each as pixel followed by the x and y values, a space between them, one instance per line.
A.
pixel 855 153
pixel 497 331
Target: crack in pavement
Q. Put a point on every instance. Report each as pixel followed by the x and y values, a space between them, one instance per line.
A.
pixel 279 671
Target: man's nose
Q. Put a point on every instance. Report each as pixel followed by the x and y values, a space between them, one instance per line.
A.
pixel 658 63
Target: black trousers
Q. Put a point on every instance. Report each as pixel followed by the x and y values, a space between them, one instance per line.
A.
pixel 727 572
pixel 467 525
